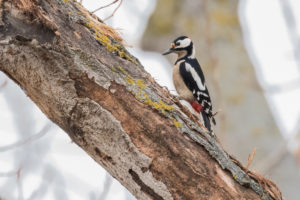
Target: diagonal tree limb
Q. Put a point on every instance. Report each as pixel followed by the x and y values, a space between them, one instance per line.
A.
pixel 105 101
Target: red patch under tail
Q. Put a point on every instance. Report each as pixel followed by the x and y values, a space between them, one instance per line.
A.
pixel 197 107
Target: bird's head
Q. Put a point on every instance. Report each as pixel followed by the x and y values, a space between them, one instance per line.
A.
pixel 182 46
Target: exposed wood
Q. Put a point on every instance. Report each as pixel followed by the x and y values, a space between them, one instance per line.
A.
pixel 102 97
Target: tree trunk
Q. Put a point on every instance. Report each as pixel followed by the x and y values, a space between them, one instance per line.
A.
pixel 75 68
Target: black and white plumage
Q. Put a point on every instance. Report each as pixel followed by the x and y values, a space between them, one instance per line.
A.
pixel 189 79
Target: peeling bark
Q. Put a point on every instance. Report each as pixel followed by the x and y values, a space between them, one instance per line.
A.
pixel 77 71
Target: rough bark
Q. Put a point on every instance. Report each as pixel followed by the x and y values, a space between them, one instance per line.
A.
pixel 77 71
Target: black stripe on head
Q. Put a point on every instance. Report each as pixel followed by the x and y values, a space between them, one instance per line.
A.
pixel 183 43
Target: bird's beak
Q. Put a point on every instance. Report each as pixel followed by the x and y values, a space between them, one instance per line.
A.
pixel 171 50
pixel 168 51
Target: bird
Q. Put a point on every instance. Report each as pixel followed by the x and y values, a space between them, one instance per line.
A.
pixel 189 80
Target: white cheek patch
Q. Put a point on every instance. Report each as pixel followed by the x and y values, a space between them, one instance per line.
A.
pixel 184 43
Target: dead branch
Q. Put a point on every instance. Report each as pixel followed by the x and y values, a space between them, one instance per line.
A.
pixel 37 136
pixel 250 158
pixel 115 1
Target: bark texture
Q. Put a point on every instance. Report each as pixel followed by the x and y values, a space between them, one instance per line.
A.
pixel 77 71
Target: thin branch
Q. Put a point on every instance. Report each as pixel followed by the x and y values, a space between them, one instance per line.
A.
pixel 107 184
pixel 250 158
pixel 40 134
pixel 3 84
pixel 8 174
pixel 113 11
pixel 115 1
pixel 20 187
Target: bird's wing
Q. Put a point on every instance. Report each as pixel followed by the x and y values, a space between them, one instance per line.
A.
pixel 193 77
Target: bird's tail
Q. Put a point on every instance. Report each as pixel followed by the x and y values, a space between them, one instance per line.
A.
pixel 206 121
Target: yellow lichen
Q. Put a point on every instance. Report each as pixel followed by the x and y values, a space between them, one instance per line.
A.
pixel 103 34
pixel 105 41
pixel 141 84
pixel 138 89
pixel 129 80
pixel 161 106
pixel 176 122
pixel 122 69
pixel 113 69
pixel 104 29
pixel 86 60
pixel 165 106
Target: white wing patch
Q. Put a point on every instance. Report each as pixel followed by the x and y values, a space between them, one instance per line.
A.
pixel 207 102
pixel 202 93
pixel 196 77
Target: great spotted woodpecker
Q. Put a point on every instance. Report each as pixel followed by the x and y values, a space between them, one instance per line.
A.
pixel 189 79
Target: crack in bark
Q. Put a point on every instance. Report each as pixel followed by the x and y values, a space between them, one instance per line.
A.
pixel 146 189
pixel 103 156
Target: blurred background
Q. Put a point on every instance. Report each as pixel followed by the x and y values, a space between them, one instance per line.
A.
pixel 250 53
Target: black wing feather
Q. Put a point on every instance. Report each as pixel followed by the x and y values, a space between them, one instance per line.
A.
pixel 202 96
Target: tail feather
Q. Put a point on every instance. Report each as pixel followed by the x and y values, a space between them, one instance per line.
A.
pixel 213 120
pixel 206 121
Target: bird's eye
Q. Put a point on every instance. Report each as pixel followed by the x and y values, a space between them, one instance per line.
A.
pixel 177 43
